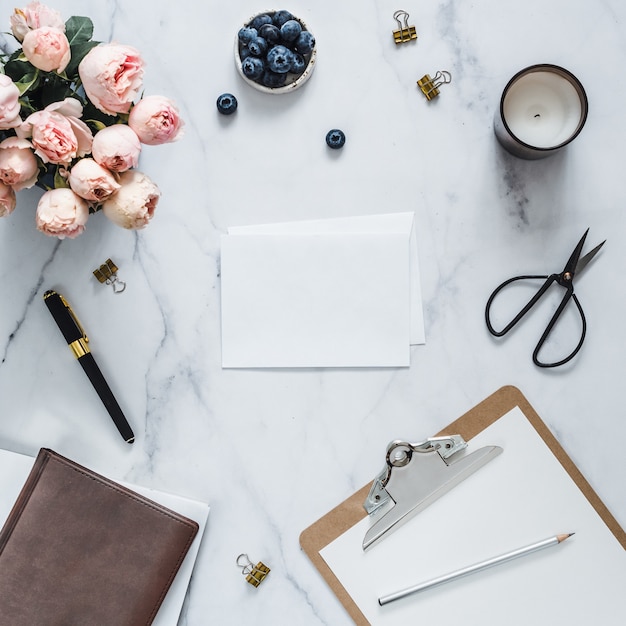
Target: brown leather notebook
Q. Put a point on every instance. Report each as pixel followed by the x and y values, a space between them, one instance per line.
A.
pixel 80 549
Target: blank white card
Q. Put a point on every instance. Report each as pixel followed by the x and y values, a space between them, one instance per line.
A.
pixel 315 300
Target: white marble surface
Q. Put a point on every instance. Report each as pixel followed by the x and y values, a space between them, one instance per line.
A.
pixel 273 450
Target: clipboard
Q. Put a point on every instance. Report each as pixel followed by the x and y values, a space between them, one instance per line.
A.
pixel 351 511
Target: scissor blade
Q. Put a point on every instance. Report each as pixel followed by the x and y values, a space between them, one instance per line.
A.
pixel 584 260
pixel 572 262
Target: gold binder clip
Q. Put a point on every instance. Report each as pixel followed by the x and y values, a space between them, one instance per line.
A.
pixel 405 32
pixel 430 86
pixel 255 574
pixel 107 274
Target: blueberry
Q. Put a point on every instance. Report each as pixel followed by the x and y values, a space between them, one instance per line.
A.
pixel 258 46
pixel 253 68
pixel 280 17
pixel 259 20
pixel 335 139
pixel 226 104
pixel 273 79
pixel 279 59
pixel 244 53
pixel 290 30
pixel 305 42
pixel 247 34
pixel 298 64
pixel 270 33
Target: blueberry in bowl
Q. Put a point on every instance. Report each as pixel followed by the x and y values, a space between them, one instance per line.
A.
pixel 275 52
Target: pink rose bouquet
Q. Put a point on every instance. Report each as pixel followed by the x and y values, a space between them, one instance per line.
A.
pixel 73 121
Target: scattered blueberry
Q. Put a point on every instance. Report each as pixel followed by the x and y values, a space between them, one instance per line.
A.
pixel 247 34
pixel 298 64
pixel 258 46
pixel 259 20
pixel 335 139
pixel 280 17
pixel 290 30
pixel 253 68
pixel 279 59
pixel 227 104
pixel 270 33
pixel 305 42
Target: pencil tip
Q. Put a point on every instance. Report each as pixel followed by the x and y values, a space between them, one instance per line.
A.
pixel 563 537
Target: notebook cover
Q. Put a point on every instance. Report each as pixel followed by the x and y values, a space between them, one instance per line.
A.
pixel 80 549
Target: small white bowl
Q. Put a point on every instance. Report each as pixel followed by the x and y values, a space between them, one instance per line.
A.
pixel 294 81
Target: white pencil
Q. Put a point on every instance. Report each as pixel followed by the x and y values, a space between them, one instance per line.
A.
pixel 477 567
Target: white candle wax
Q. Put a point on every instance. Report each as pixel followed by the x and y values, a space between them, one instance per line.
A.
pixel 542 109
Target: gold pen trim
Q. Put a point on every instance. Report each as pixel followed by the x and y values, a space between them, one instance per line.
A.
pixel 79 347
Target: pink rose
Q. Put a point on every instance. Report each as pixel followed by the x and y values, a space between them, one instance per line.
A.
pixel 47 48
pixel 91 181
pixel 112 75
pixel 61 213
pixel 57 134
pixel 9 103
pixel 116 147
pixel 134 204
pixel 35 15
pixel 155 119
pixel 7 200
pixel 18 165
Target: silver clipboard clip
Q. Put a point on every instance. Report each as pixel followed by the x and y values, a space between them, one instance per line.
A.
pixel 414 476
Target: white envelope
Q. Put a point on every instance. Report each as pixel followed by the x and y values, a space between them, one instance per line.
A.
pixel 323 298
pixel 380 223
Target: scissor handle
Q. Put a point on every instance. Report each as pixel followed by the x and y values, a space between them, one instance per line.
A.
pixel 566 298
pixel 549 280
pixel 499 333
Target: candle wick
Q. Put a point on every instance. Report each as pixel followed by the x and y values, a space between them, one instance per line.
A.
pixel 537 115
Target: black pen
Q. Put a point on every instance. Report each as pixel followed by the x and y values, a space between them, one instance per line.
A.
pixel 78 342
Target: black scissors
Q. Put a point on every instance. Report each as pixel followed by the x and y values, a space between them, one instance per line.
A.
pixel 574 265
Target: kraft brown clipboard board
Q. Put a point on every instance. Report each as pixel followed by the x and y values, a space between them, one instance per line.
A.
pixel 351 511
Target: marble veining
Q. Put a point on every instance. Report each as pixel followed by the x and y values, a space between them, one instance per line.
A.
pixel 274 450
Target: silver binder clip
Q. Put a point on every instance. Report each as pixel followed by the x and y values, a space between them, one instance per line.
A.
pixel 430 86
pixel 255 574
pixel 414 476
pixel 107 274
pixel 405 32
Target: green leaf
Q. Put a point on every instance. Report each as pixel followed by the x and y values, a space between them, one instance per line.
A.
pixel 59 181
pixel 78 29
pixel 28 81
pixel 19 68
pixel 96 125
pixel 78 51
pixel 54 90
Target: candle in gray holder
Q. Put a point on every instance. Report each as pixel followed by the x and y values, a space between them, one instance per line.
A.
pixel 542 109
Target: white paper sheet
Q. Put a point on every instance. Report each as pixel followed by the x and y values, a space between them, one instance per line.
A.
pixel 522 496
pixel 14 470
pixel 309 341
pixel 315 300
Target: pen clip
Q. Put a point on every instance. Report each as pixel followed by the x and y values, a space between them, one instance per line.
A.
pixel 76 320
